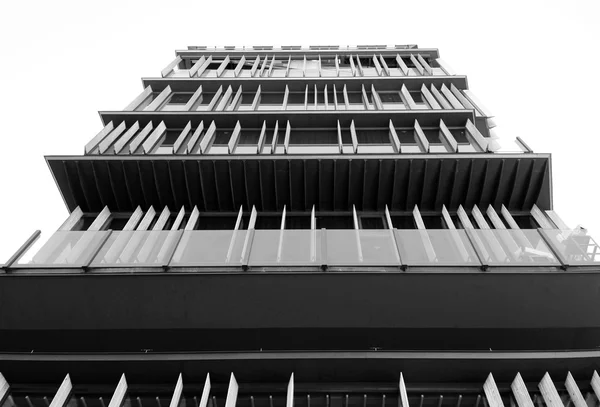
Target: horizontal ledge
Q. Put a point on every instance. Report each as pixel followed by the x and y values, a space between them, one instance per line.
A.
pixel 261 157
pixel 412 82
pixel 429 52
pixel 269 355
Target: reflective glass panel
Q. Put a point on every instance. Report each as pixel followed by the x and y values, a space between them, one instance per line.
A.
pixel 210 247
pixel 361 248
pixel 285 247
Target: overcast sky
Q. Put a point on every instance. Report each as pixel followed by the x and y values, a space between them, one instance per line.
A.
pixel 534 64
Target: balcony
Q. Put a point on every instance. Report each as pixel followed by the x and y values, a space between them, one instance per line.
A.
pixel 338 250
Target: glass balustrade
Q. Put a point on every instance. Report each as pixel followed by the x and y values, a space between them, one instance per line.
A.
pixel 362 247
pixel 314 248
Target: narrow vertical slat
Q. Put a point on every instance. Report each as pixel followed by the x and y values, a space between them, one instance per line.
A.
pixel 139 138
pixel 101 220
pixel 4 388
pixel 208 138
pixel 595 382
pixel 420 138
pixel 394 140
pixel 475 136
pixel 481 222
pixel 232 392
pixel 520 392
pixel 182 137
pixel 357 235
pixel 119 394
pixel 447 138
pixel 440 98
pixel 98 138
pixel 540 218
pixel 196 98
pixel 153 139
pixel 286 140
pixel 138 100
pixel 239 66
pixel 126 138
pixel 384 65
pixel 574 391
pixel 425 65
pixel 222 67
pixel 235 137
pixel 290 392
pixel 177 392
pixel 261 138
pixel 236 100
pixel 433 104
pixel 549 393
pixel 256 99
pixel 169 68
pixel 451 98
pixel 224 100
pixel 216 97
pixel 418 219
pixel 491 392
pixel 111 138
pixel 402 65
pixel 403 393
pixel 417 65
pixel 407 98
pixel 508 218
pixel 493 215
pixel 447 218
pixel 191 145
pixel 200 63
pixel 61 397
pixel 193 219
pixel 557 220
pixel 354 137
pixel 159 100
pixel 72 220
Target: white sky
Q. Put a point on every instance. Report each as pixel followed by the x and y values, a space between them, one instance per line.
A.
pixel 534 64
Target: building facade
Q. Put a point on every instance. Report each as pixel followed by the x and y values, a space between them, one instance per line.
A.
pixel 325 226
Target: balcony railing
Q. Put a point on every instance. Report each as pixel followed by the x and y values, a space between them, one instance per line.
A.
pixel 322 248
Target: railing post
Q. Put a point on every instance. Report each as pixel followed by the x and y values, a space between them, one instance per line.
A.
pixel 564 263
pixel 473 240
pixel 23 249
pixel 324 249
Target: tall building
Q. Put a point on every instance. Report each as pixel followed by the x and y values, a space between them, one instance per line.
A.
pixel 321 227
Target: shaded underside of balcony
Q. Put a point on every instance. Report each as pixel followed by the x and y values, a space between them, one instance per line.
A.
pixel 224 183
